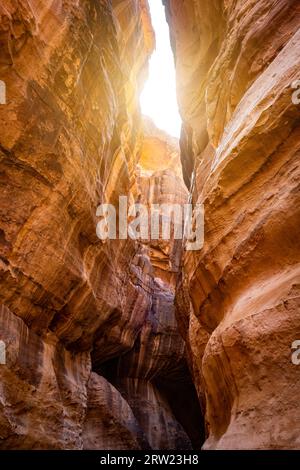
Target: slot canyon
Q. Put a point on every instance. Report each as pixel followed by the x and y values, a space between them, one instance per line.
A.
pixel 132 344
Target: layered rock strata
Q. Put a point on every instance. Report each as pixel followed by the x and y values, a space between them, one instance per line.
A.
pixel 238 298
pixel 153 376
pixel 93 355
pixel 71 138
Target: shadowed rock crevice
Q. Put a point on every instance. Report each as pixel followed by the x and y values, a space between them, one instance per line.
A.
pixel 155 380
pixel 153 376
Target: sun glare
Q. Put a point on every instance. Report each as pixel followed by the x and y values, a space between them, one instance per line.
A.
pixel 158 99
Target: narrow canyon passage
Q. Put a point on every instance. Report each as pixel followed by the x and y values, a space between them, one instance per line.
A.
pixel 153 376
pixel 96 318
pixel 140 343
pixel 151 372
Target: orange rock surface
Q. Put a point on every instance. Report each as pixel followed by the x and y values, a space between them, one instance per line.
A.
pixel 71 138
pixel 124 344
pixel 238 298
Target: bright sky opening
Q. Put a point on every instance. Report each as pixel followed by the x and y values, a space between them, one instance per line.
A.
pixel 158 99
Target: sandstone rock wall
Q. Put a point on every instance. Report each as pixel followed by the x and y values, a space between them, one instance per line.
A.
pixel 94 358
pixel 71 138
pixel 238 298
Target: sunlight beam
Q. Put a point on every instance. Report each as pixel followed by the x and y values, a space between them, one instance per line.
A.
pixel 158 99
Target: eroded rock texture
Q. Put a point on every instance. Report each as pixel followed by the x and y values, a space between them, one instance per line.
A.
pixel 94 358
pixel 238 298
pixel 89 326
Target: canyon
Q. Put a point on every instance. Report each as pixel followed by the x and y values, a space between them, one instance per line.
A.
pixel 125 344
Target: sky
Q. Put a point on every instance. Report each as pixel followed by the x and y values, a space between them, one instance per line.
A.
pixel 158 98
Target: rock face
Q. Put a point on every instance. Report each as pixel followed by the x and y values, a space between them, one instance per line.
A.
pixel 94 359
pixel 108 343
pixel 238 302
